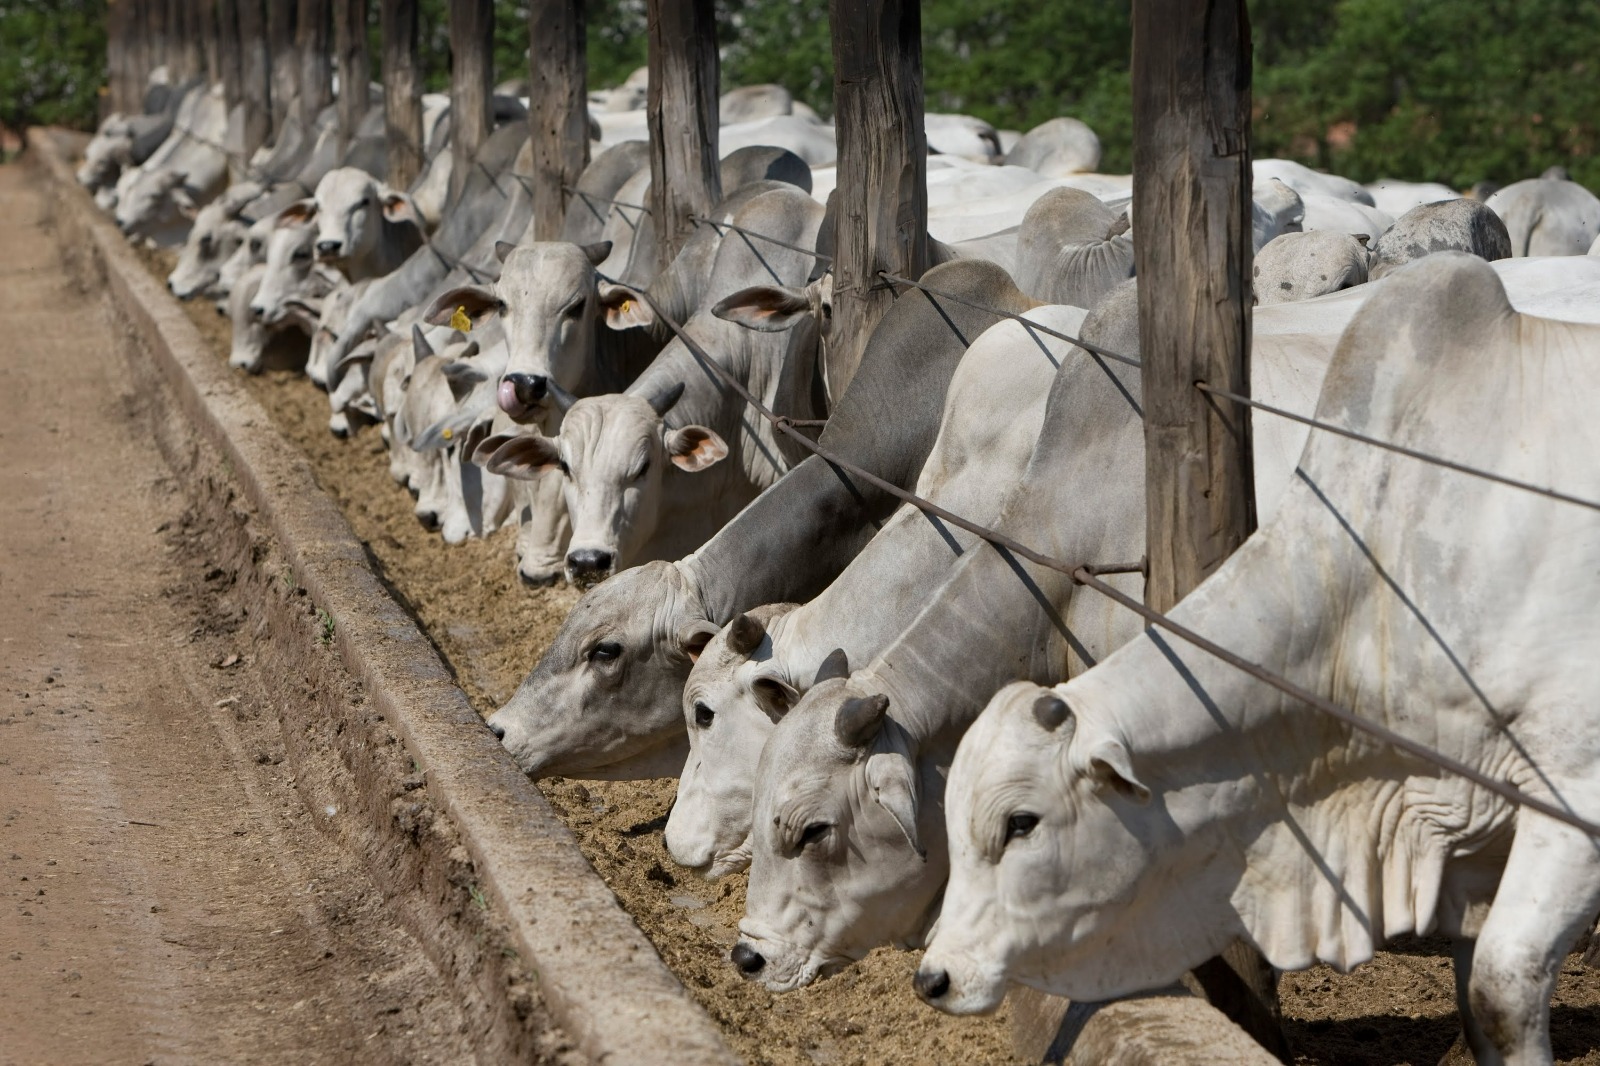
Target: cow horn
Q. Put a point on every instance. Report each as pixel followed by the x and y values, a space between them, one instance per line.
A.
pixel 563 399
pixel 744 634
pixel 419 343
pixel 859 719
pixel 664 402
pixel 1050 711
pixel 836 665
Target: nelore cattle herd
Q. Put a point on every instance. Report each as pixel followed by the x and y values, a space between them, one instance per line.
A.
pixel 908 736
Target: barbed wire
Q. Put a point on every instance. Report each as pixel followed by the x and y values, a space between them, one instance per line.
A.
pixel 1090 576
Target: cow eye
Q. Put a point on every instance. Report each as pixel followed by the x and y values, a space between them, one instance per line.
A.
pixel 813 833
pixel 255 247
pixel 573 309
pixel 703 716
pixel 302 254
pixel 205 245
pixel 1020 825
pixel 605 651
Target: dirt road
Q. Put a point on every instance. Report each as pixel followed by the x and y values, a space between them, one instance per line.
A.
pixel 165 895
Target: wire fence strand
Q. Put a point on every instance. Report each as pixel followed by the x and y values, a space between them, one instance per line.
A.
pixel 1400 449
pixel 1500 788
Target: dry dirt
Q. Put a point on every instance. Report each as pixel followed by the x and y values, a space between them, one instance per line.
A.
pixel 1399 1009
pixel 171 892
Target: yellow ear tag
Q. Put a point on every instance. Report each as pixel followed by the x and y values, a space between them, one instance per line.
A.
pixel 448 433
pixel 460 321
pixel 626 304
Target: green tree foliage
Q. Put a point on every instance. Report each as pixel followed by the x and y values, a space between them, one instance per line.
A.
pixel 52 62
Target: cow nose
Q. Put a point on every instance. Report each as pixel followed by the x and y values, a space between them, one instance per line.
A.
pixel 429 520
pixel 747 958
pixel 529 389
pixel 328 249
pixel 498 730
pixel 258 312
pixel 931 984
pixel 589 561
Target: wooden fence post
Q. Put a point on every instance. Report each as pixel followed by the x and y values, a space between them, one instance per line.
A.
pixel 313 40
pixel 471 83
pixel 685 172
pixel 402 90
pixel 257 75
pixel 1192 253
pixel 558 112
pixel 190 57
pixel 352 62
pixel 881 204
pixel 230 53
pixel 210 41
pixel 117 55
pixel 285 63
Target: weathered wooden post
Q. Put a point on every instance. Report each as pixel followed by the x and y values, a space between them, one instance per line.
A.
pixel 285 63
pixel 471 83
pixel 313 40
pixel 118 82
pixel 1192 253
pixel 186 22
pixel 558 113
pixel 881 205
pixel 230 54
pixel 685 175
pixel 352 62
pixel 155 35
pixel 257 75
pixel 402 90
pixel 210 42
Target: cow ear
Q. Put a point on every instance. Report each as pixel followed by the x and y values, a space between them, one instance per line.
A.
pixel 859 719
pixel 693 448
pixel 185 204
pixel 474 303
pixel 693 638
pixel 524 457
pixel 744 634
pixel 622 307
pixel 398 207
pixel 775 695
pixel 892 777
pixel 598 252
pixel 503 249
pixel 297 213
pixel 462 378
pixel 835 667
pixel 768 308
pixel 1110 766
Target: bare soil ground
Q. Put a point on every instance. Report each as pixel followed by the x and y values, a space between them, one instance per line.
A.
pixel 1398 1009
pixel 171 891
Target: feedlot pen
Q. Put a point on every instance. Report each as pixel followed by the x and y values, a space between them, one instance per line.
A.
pixel 491 630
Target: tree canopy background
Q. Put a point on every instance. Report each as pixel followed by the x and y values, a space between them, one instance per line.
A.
pixel 1426 90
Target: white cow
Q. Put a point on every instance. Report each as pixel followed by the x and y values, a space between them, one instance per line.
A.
pixel 1111 833
pixel 1548 216
pixel 760 664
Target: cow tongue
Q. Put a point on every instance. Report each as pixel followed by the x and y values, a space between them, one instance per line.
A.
pixel 508 398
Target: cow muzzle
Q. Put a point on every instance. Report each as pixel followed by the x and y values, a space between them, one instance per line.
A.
pixel 329 250
pixel 522 395
pixel 589 566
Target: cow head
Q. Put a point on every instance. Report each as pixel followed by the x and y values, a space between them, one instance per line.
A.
pixel 614 454
pixel 216 235
pixel 148 205
pixel 349 210
pixel 107 153
pixel 290 261
pixel 847 845
pixel 604 699
pixel 251 251
pixel 437 386
pixel 1064 875
pixel 732 701
pixel 548 297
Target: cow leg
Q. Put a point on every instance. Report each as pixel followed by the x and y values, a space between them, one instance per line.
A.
pixel 1547 895
pixel 1461 950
